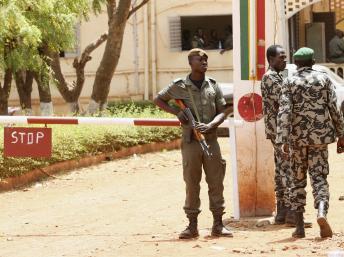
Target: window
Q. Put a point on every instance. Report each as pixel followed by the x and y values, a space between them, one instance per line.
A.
pixel 74 51
pixel 207 32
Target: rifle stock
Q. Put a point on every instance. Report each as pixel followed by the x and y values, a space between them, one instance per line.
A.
pixel 198 135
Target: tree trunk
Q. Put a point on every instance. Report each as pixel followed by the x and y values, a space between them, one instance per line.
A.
pixel 72 91
pixel 5 92
pixel 24 81
pixel 69 91
pixel 46 105
pixel 43 87
pixel 61 84
pixel 117 22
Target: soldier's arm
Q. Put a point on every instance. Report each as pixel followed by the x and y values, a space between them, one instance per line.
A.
pixel 284 114
pixel 162 104
pixel 269 96
pixel 336 116
pixel 218 119
pixel 265 95
pixel 222 110
pixel 162 99
pixel 221 116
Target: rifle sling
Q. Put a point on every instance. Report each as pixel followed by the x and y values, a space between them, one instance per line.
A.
pixel 193 103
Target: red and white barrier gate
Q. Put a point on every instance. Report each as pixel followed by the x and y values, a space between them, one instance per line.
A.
pixel 30 139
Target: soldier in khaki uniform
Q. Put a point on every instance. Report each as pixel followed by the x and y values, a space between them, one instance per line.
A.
pixel 203 96
pixel 308 120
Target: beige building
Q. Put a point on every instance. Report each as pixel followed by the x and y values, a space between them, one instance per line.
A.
pixel 314 25
pixel 152 54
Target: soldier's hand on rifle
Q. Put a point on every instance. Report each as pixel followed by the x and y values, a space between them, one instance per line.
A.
pixel 182 117
pixel 204 128
pixel 340 145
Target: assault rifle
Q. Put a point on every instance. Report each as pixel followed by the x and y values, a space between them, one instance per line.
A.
pixel 198 135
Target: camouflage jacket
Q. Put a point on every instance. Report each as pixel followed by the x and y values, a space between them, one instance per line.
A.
pixel 308 113
pixel 271 88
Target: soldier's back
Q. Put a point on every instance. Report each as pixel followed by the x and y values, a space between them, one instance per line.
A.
pixel 311 120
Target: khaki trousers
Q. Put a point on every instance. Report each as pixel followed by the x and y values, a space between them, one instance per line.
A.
pixel 214 168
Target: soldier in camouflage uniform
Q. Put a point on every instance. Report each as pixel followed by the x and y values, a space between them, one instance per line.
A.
pixel 308 120
pixel 204 97
pixel 271 88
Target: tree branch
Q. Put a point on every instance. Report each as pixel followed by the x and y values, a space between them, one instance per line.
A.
pixel 85 56
pixel 79 65
pixel 134 9
pixel 111 7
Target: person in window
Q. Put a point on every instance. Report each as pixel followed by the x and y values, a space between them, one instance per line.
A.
pixel 214 41
pixel 198 40
pixel 336 47
pixel 186 39
pixel 228 43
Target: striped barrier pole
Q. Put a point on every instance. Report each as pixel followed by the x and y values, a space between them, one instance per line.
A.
pixel 97 121
pixel 229 123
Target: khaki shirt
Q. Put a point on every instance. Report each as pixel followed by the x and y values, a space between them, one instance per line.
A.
pixel 208 100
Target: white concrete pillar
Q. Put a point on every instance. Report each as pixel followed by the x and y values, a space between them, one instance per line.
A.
pixel 254 152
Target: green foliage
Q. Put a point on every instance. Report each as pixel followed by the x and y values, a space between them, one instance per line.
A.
pixel 19 39
pixel 30 25
pixel 97 5
pixel 73 142
pixel 133 108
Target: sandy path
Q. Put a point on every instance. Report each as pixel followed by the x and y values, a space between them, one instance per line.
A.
pixel 133 207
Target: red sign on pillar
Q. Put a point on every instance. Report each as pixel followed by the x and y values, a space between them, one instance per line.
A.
pixel 260 38
pixel 27 142
pixel 250 107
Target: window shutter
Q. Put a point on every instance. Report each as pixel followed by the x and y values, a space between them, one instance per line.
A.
pixel 75 51
pixel 175 34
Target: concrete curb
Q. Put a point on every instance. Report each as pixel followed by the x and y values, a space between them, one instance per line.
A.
pixel 38 174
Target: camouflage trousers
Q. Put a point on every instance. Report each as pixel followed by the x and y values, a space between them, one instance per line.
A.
pixel 314 160
pixel 283 178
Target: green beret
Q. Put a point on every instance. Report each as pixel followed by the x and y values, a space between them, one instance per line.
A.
pixel 304 54
pixel 197 52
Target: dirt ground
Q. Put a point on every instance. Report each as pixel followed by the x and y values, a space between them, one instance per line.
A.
pixel 133 207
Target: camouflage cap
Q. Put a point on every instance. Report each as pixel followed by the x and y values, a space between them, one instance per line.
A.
pixel 304 54
pixel 197 52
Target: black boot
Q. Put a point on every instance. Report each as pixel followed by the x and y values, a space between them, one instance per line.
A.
pixel 325 229
pixel 281 213
pixel 290 220
pixel 300 226
pixel 191 231
pixel 219 229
